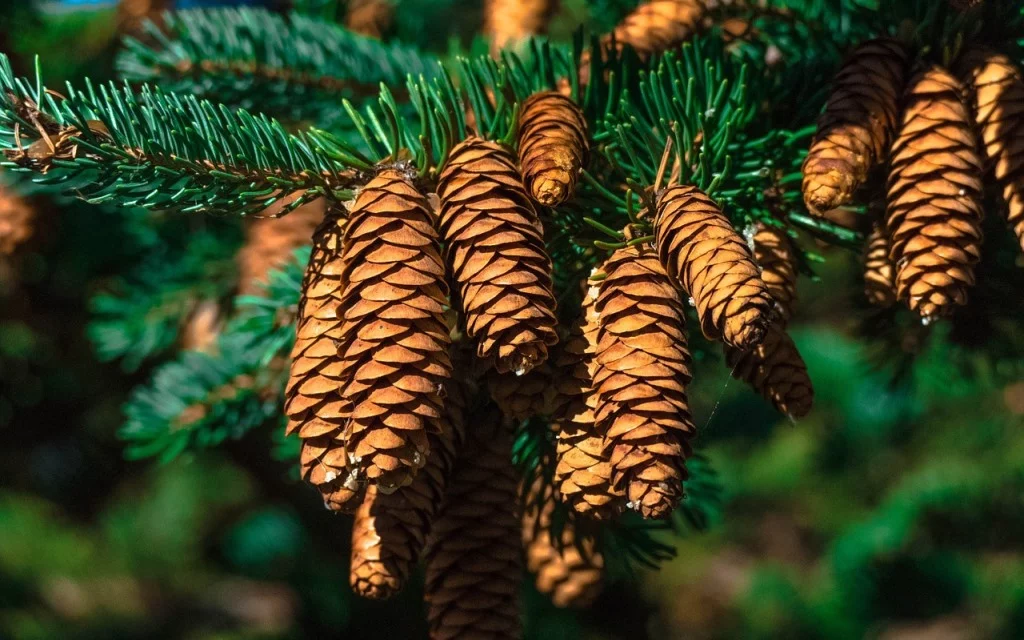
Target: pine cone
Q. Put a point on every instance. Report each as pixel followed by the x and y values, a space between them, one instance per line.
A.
pixel 521 397
pixel 202 326
pixel 583 472
pixel 997 96
pixel 313 402
pixel 857 127
pixel 642 367
pixel 270 243
pixel 132 14
pixel 17 222
pixel 776 371
pixel 705 255
pixel 389 531
pixel 496 255
pixel 553 146
pixel 878 270
pixel 396 338
pixel 935 197
pixel 568 571
pixel 659 25
pixel 776 255
pixel 473 557
pixel 508 22
pixel 371 18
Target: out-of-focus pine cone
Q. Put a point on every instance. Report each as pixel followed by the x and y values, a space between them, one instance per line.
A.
pixel 369 17
pixel 997 96
pixel 553 146
pixel 566 569
pixel 313 403
pixel 521 397
pixel 935 197
pixel 508 22
pixel 776 371
pixel 496 255
pixel 583 472
pixel 857 127
pixel 17 221
pixel 705 255
pixel 389 531
pixel 776 255
pixel 202 326
pixel 473 557
pixel 642 367
pixel 879 286
pixel 396 337
pixel 270 242
pixel 131 14
pixel 659 25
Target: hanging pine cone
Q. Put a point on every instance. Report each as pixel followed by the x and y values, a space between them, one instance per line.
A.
pixel 474 561
pixel 776 255
pixel 396 338
pixel 371 18
pixel 508 22
pixel 496 255
pixel 389 531
pixel 583 472
pixel 568 571
pixel 857 127
pixel 659 25
pixel 642 367
pixel 132 14
pixel 705 255
pixel 17 222
pixel 997 96
pixel 775 370
pixel 313 402
pixel 270 242
pixel 878 270
pixel 520 397
pixel 935 197
pixel 552 146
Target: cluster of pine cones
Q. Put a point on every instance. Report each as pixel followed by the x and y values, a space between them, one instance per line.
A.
pixel 941 133
pixel 389 366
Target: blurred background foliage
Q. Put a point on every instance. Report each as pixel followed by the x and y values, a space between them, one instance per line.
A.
pixel 895 511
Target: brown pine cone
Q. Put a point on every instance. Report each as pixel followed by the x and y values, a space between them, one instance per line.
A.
pixel 705 255
pixel 997 97
pixel 396 336
pixel 521 397
pixel 776 255
pixel 935 197
pixel 508 22
pixel 371 18
pixel 202 326
pixel 878 270
pixel 496 255
pixel 270 242
pixel 659 25
pixel 389 531
pixel 313 402
pixel 568 572
pixel 775 370
pixel 132 14
pixel 857 127
pixel 642 367
pixel 553 146
pixel 17 221
pixel 583 472
pixel 474 563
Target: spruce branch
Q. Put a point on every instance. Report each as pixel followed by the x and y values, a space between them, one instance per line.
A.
pixel 293 67
pixel 160 151
pixel 202 399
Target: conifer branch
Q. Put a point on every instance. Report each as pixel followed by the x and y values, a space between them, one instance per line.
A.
pixel 160 151
pixel 294 67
